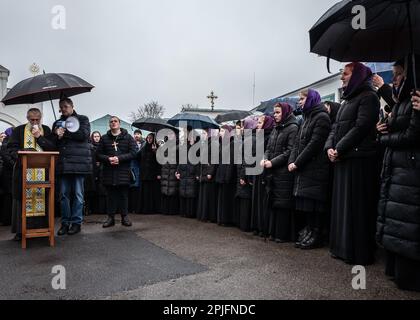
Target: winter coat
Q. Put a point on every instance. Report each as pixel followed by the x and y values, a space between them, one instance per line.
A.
pixel 226 171
pixel 150 168
pixel 188 184
pixel 399 205
pixel 353 134
pixel 312 175
pixel 208 169
pixel 75 151
pixel 117 175
pixel 280 181
pixel 135 165
pixel 169 184
pixel 244 191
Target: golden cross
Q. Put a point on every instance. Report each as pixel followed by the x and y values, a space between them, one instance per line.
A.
pixel 212 97
pixel 115 145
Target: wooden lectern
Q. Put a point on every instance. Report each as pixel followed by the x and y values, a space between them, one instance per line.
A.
pixel 38 160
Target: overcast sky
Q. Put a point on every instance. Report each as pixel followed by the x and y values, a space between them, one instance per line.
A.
pixel 172 51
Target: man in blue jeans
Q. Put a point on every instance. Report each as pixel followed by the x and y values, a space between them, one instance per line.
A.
pixel 74 163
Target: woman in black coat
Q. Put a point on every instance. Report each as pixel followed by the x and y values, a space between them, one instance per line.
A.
pixel 169 183
pixel 116 150
pixel 352 148
pixel 6 182
pixel 94 189
pixel 280 180
pixel 188 184
pixel 399 206
pixel 310 164
pixel 243 196
pixel 259 218
pixel 226 178
pixel 207 197
pixel 150 177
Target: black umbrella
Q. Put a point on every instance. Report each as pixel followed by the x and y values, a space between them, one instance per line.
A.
pixel 391 29
pixel 153 125
pixel 195 121
pixel 232 116
pixel 44 87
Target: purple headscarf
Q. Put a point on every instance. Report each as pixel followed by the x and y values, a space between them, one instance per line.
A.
pixel 269 123
pixel 251 123
pixel 286 111
pixel 228 128
pixel 361 74
pixel 9 132
pixel 313 99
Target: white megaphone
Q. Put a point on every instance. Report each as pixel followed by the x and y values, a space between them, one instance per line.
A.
pixel 72 124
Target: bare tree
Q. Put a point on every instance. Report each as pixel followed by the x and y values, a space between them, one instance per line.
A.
pixel 150 110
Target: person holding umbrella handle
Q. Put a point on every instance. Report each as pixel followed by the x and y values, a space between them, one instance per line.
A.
pixel 416 100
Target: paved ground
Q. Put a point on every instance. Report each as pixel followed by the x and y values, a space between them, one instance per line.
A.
pixel 175 258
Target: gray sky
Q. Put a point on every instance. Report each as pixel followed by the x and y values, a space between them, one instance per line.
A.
pixel 172 51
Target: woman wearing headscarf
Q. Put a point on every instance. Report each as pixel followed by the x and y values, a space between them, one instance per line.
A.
pixel 243 195
pixel 352 148
pixel 94 189
pixel 399 206
pixel 280 180
pixel 6 181
pixel 259 218
pixel 169 182
pixel 150 177
pixel 188 184
pixel 310 164
pixel 207 198
pixel 226 177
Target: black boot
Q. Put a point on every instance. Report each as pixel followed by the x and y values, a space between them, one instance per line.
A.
pixel 125 221
pixel 109 223
pixel 303 235
pixel 313 242
pixel 63 230
pixel 74 229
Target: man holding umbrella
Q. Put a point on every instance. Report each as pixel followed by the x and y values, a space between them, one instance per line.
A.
pixel 74 163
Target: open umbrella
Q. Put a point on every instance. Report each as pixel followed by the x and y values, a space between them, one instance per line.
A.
pixel 153 125
pixel 44 87
pixel 232 116
pixel 195 121
pixel 391 29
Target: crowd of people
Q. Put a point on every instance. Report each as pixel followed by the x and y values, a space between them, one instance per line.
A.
pixel 343 175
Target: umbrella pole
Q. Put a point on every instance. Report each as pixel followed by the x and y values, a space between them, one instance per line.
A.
pixel 52 106
pixel 413 56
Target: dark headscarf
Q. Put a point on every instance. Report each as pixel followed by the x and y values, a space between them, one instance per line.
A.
pixel 286 111
pixel 313 99
pixel 269 122
pixel 8 132
pixel 360 75
pixel 407 86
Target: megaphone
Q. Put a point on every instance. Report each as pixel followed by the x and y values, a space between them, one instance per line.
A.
pixel 72 124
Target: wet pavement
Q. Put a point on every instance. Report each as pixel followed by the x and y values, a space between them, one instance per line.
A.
pixel 164 257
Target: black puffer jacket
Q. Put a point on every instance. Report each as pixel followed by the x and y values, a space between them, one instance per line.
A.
pixel 169 184
pixel 119 175
pixel 399 205
pixel 353 134
pixel 75 152
pixel 188 184
pixel 279 148
pixel 149 167
pixel 308 155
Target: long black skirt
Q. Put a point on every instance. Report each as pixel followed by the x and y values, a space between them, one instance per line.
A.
pixel 404 271
pixel 354 211
pixel 6 201
pixel 259 211
pixel 225 204
pixel 243 214
pixel 188 207
pixel 150 197
pixel 281 224
pixel 207 202
pixel 134 200
pixel 170 205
